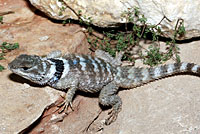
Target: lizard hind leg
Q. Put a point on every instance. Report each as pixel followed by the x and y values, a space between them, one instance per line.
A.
pixel 108 58
pixel 108 97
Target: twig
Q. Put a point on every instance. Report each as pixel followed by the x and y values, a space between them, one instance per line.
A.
pixel 78 15
pixel 5 13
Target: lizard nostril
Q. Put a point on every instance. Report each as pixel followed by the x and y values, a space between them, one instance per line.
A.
pixel 10 66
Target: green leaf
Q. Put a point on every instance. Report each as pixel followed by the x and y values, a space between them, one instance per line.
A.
pixel 1 68
pixel 1 19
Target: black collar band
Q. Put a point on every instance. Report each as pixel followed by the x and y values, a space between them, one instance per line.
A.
pixel 59 70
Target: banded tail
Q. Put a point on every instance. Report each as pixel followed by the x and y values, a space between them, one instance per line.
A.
pixel 129 77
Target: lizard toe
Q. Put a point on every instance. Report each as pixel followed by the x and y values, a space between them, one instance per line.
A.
pixel 112 117
pixel 64 106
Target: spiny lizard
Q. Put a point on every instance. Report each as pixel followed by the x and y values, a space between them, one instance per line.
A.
pixel 104 74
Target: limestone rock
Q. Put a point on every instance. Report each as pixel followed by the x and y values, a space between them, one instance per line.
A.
pixel 15 12
pixel 21 104
pixel 106 13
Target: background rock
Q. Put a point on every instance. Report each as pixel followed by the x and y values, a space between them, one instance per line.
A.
pixel 106 13
pixel 21 104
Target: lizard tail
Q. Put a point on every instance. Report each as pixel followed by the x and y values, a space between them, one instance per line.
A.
pixel 131 77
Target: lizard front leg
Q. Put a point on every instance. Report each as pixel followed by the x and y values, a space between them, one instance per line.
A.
pixel 68 99
pixel 108 97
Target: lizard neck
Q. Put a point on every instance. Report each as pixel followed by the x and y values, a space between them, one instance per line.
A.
pixel 57 71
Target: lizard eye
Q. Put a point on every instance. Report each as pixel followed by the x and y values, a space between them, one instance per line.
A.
pixel 25 68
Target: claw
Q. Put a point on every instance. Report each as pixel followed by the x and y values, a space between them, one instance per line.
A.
pixel 71 106
pixel 65 104
pixel 61 104
pixel 68 100
pixel 62 110
pixel 112 117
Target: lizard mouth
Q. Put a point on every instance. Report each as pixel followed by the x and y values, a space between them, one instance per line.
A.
pixel 13 68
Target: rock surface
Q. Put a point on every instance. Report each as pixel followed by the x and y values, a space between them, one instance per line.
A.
pixel 165 106
pixel 21 104
pixel 106 13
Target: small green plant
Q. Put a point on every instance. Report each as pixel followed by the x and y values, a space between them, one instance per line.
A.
pixel 6 47
pixel 1 19
pixel 63 7
pixel 83 20
pixel 130 35
pixel 1 68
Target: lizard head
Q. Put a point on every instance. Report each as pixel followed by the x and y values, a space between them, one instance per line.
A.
pixel 31 67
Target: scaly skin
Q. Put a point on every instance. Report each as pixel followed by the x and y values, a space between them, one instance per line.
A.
pixel 102 74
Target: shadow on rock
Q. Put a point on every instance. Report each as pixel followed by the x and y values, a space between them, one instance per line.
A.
pixel 19 79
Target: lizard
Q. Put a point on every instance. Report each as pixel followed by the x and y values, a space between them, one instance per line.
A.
pixel 100 73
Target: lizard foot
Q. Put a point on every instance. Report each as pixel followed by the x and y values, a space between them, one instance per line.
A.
pixel 64 106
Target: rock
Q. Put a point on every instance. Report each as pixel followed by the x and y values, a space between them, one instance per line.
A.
pixel 44 38
pixel 15 12
pixel 21 105
pixel 107 13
